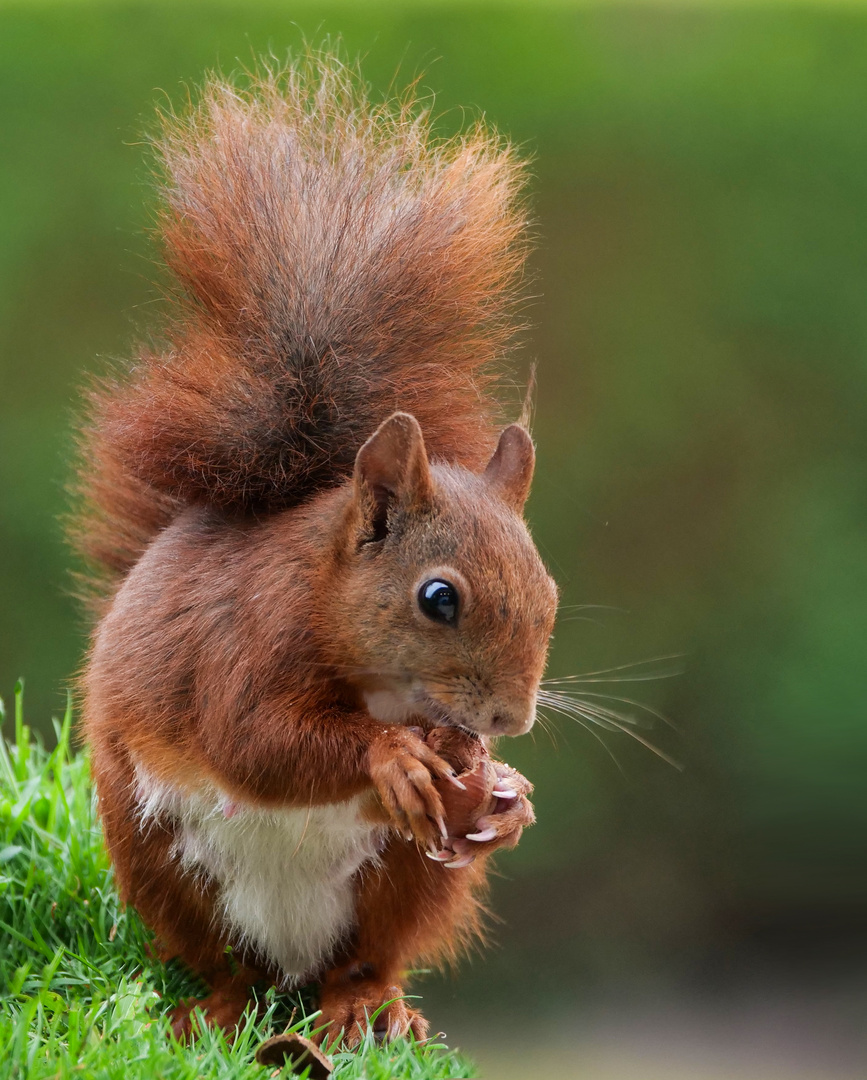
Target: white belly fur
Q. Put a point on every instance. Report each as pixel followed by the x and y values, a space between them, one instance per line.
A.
pixel 284 876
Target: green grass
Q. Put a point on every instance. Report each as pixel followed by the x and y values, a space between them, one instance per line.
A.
pixel 79 994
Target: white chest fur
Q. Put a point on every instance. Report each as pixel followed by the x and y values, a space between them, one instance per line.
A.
pixel 284 876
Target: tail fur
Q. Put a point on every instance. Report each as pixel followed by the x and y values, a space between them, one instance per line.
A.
pixel 335 262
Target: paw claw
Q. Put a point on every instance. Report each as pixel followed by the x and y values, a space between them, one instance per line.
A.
pixel 482 837
pixel 440 856
pixel 460 862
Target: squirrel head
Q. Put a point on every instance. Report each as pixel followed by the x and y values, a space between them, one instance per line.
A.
pixel 443 606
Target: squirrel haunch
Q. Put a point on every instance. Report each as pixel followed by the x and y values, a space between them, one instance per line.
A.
pixel 265 504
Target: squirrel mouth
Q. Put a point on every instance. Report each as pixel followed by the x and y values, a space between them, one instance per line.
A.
pixel 440 716
pixel 413 706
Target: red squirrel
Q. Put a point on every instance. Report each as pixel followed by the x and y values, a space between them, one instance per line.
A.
pixel 303 522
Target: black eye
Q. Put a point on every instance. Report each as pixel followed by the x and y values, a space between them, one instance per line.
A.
pixel 439 600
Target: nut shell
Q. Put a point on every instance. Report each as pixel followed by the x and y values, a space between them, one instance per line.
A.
pixel 461 750
pixel 296 1051
pixel 469 757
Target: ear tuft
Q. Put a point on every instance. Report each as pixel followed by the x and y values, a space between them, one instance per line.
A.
pixel 510 471
pixel 393 467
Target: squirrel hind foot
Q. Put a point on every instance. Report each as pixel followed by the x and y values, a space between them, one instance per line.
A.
pixel 351 1012
pixel 223 1008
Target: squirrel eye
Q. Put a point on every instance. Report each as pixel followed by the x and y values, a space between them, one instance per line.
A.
pixel 439 600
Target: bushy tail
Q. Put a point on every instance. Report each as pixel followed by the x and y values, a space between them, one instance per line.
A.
pixel 336 262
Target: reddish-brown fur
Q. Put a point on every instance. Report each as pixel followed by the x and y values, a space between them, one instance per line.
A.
pixel 258 549
pixel 335 263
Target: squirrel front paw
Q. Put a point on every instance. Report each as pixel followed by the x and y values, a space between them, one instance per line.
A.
pixel 403 768
pixel 500 827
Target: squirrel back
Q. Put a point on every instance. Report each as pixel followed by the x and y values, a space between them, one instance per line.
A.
pixel 335 263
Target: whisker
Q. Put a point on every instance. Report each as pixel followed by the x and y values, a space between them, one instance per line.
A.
pixel 612 718
pixel 563 617
pixel 589 728
pixel 578 679
pixel 547 726
pixel 667 758
pixel 572 708
pixel 626 701
pixel 608 720
pixel 577 702
pixel 622 721
pixel 588 607
pixel 606 717
pixel 625 667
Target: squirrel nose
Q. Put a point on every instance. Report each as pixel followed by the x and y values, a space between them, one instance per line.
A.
pixel 513 722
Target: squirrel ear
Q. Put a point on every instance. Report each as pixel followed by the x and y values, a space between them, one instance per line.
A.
pixel 393 467
pixel 510 470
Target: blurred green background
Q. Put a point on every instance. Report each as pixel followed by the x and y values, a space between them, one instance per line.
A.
pixel 700 188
